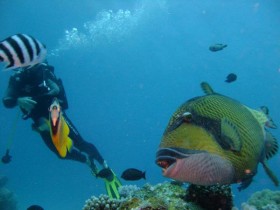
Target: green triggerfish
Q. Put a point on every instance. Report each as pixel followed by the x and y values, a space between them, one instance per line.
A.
pixel 214 139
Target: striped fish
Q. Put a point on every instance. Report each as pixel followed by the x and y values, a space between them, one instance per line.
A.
pixel 21 50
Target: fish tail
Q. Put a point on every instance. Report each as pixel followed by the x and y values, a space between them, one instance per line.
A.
pixel 271 175
pixel 144 175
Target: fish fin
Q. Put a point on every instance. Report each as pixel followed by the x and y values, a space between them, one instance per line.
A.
pixel 271 145
pixel 270 173
pixel 269 123
pixel 144 175
pixel 245 183
pixel 69 144
pixel 207 89
pixel 65 142
pixel 62 150
pixel 230 134
pixel 263 117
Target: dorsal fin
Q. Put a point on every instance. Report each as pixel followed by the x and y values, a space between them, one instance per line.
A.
pixel 206 88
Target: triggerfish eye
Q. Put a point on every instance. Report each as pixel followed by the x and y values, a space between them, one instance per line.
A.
pixel 187 116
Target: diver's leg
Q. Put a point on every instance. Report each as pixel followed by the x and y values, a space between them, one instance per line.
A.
pixel 76 155
pixel 82 145
pixel 72 155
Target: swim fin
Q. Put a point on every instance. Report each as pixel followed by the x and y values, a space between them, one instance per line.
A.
pixel 112 183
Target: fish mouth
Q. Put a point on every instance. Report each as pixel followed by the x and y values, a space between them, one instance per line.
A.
pixel 167 157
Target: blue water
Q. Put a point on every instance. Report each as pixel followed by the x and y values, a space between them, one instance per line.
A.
pixel 126 67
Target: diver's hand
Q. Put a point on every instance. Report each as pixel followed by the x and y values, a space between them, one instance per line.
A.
pixel 53 88
pixel 26 103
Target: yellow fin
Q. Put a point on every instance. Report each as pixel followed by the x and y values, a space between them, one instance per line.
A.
pixel 206 88
pixel 69 144
pixel 230 135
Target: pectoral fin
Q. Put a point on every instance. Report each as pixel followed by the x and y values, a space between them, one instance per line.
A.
pixel 230 135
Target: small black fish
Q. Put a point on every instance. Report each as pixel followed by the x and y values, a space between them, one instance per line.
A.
pixel 133 174
pixel 217 47
pixel 7 157
pixel 35 207
pixel 231 78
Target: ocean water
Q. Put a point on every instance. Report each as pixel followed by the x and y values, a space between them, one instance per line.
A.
pixel 126 67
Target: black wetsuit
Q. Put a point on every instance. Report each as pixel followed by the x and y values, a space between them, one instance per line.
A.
pixel 32 83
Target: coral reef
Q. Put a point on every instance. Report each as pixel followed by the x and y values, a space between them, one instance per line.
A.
pixel 263 200
pixel 174 196
pixel 162 196
pixel 101 203
pixel 7 198
pixel 127 191
pixel 211 197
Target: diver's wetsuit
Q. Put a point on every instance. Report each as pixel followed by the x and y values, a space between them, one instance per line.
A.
pixel 33 82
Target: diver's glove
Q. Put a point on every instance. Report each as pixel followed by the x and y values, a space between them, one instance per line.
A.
pixel 26 103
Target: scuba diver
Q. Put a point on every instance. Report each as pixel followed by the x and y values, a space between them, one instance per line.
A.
pixel 41 97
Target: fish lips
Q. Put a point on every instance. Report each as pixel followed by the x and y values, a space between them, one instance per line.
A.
pixel 166 157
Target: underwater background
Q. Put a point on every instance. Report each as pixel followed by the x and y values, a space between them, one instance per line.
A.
pixel 126 67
